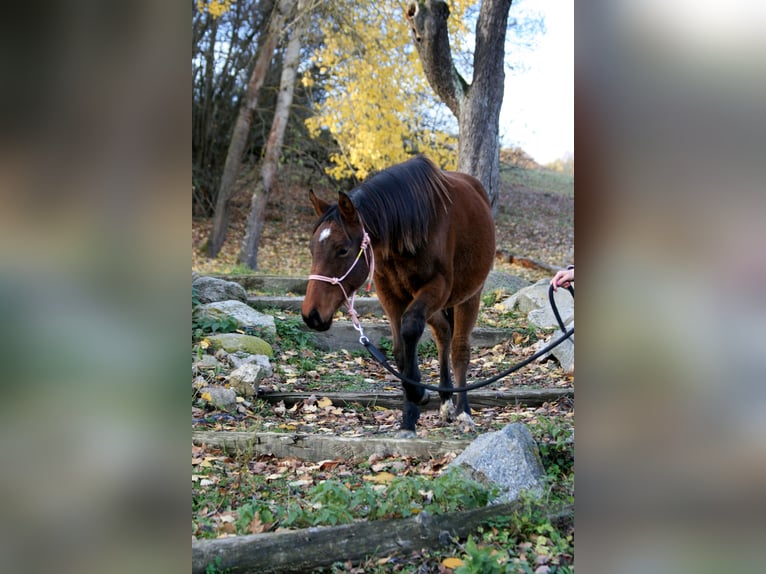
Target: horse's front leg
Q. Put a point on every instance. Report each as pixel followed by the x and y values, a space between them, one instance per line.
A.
pixel 413 322
pixel 403 354
pixel 406 337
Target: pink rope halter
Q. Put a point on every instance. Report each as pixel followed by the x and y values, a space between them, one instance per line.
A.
pixel 338 280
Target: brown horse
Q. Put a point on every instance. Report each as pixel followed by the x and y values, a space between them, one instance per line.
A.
pixel 430 237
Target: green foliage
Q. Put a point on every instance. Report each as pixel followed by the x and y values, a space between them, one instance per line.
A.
pixel 240 269
pixel 333 502
pixel 554 439
pixel 252 509
pixel 453 490
pixel 205 322
pixel 215 567
pixel 482 560
pixel 212 322
pixel 291 334
pixel 428 349
pixel 491 298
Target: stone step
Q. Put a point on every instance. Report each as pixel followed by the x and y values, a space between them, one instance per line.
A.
pixel 497 280
pixel 267 283
pixel 343 335
pixel 363 305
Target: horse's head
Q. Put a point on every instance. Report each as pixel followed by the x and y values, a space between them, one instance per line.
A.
pixel 339 262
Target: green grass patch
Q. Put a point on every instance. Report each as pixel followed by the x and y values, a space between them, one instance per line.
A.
pixel 543 180
pixel 284 504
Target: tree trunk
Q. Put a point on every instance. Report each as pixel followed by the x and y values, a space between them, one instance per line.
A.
pixel 266 46
pixel 476 106
pixel 249 250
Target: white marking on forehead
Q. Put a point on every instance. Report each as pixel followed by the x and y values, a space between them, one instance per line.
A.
pixel 324 234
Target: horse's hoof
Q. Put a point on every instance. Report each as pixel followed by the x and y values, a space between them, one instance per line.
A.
pixel 466 422
pixel 403 433
pixel 447 412
pixel 425 399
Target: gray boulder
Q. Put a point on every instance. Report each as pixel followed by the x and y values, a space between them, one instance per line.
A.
pixel 508 459
pixel 243 314
pixel 220 397
pixel 211 289
pixel 234 342
pixel 207 362
pixel 533 301
pixel 564 352
pixel 238 359
pixel 246 379
pixel 503 282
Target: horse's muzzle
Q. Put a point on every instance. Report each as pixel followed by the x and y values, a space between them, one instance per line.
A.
pixel 314 321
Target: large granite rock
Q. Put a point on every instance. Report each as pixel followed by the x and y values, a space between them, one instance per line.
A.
pixel 504 283
pixel 234 342
pixel 211 289
pixel 533 301
pixel 508 459
pixel 243 314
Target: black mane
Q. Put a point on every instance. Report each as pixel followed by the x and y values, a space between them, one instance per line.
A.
pixel 398 204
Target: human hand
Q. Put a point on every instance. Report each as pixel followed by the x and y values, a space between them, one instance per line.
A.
pixel 563 278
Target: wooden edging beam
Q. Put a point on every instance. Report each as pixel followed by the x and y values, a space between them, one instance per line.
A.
pixel 479 399
pixel 310 548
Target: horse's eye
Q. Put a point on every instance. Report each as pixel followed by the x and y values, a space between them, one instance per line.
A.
pixel 342 252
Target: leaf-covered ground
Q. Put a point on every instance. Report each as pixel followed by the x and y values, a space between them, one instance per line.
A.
pixel 235 493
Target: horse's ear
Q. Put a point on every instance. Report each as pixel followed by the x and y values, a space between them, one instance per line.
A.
pixel 319 206
pixel 347 209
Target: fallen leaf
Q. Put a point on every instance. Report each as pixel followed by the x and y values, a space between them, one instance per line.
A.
pixel 324 402
pixel 452 562
pixel 328 464
pixel 380 478
pixel 257 527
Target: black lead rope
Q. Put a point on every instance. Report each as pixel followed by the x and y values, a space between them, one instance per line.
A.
pixel 381 358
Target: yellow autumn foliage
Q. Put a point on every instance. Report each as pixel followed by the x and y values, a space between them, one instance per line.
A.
pixel 216 8
pixel 378 104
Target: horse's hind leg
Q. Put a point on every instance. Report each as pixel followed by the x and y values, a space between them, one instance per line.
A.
pixel 465 319
pixel 441 324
